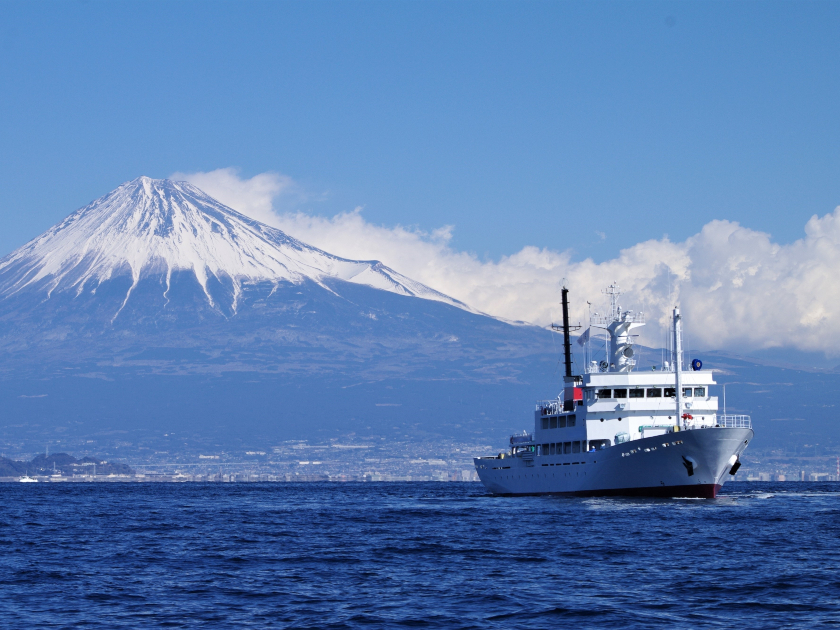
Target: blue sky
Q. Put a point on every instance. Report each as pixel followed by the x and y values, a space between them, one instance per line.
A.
pixel 520 123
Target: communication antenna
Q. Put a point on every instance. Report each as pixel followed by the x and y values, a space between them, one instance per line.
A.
pixel 724 403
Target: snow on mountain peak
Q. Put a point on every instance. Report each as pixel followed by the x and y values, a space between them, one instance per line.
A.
pixel 149 226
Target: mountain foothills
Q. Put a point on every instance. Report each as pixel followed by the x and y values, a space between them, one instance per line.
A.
pixel 156 309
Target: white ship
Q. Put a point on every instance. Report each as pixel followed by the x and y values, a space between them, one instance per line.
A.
pixel 617 431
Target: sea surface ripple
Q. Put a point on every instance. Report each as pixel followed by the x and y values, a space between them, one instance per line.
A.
pixel 433 555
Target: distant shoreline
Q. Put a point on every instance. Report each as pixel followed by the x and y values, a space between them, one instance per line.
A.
pixel 234 479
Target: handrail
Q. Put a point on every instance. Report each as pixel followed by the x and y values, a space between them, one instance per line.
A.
pixel 734 421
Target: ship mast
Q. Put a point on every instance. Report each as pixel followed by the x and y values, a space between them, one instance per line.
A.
pixel 678 363
pixel 618 323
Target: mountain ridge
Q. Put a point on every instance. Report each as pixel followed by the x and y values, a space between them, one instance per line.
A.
pixel 151 227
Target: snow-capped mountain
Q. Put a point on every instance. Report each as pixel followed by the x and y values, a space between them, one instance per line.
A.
pixel 157 227
pixel 158 309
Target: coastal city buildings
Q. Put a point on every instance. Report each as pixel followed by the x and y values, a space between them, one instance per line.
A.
pixel 348 458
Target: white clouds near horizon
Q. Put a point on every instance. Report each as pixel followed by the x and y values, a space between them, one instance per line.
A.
pixel 737 288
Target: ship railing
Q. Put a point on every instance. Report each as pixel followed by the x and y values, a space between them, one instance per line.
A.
pixel 626 316
pixel 734 422
pixel 549 407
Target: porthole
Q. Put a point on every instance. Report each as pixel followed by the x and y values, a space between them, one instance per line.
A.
pixel 602 419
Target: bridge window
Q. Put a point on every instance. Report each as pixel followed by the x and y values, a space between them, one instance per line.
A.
pixel 687 392
pixel 620 393
pixel 570 421
pixel 637 393
pixel 700 391
pixel 546 449
pixel 604 393
pixel 553 424
pixel 567 447
pixel 575 447
pixel 561 422
pixel 654 392
pixel 544 423
pixel 670 392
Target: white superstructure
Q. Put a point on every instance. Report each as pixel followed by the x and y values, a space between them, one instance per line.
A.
pixel 616 430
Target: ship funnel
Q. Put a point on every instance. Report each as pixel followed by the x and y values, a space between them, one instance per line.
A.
pixel 567 346
pixel 566 329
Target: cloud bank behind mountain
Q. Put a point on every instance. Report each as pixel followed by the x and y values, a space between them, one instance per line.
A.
pixel 737 288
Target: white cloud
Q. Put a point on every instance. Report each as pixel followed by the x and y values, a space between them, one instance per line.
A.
pixel 737 288
pixel 255 197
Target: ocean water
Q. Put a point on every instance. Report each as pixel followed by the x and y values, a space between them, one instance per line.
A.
pixel 426 555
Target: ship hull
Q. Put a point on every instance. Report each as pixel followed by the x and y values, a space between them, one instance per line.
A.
pixel 682 464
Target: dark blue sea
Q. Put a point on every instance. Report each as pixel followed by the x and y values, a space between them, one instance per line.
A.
pixel 425 555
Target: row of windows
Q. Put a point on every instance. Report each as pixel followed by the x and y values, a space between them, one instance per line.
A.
pixel 565 448
pixel 652 392
pixel 560 448
pixel 558 422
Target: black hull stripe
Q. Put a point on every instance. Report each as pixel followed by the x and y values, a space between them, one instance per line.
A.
pixel 698 491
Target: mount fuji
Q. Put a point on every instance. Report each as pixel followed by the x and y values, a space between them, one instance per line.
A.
pixel 156 307
pixel 150 229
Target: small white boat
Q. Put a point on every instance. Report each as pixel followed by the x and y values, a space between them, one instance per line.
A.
pixel 27 479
